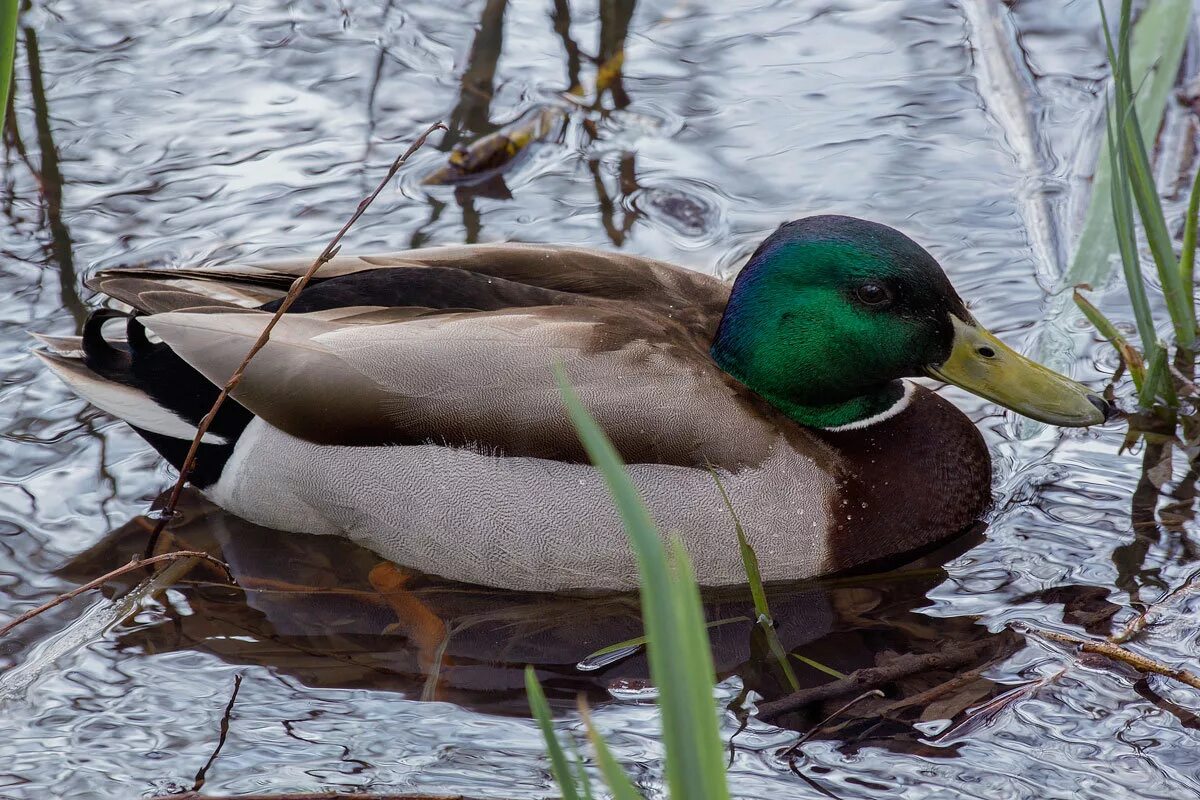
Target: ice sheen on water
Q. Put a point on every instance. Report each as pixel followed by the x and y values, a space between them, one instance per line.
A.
pixel 203 132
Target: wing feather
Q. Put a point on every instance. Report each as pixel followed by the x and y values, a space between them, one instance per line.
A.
pixel 482 379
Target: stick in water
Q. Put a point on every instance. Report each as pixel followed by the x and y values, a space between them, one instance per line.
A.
pixel 297 286
pixel 132 566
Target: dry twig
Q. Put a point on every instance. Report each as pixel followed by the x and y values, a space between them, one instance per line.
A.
pixel 134 565
pixel 1138 623
pixel 202 773
pixel 814 730
pixel 872 677
pixel 297 286
pixel 1116 653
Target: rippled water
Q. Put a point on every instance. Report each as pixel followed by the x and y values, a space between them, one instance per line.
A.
pixel 207 132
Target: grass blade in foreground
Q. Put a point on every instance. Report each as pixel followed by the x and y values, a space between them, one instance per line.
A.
pixel 681 663
pixel 559 766
pixel 618 782
pixel 9 10
pixel 754 576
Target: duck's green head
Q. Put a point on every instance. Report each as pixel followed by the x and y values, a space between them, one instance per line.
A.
pixel 830 312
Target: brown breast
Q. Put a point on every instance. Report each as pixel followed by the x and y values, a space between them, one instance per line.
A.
pixel 906 482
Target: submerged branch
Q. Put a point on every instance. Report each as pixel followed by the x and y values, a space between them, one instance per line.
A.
pixel 1138 623
pixel 874 677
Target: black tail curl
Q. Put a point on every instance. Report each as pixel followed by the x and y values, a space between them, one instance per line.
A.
pixel 156 371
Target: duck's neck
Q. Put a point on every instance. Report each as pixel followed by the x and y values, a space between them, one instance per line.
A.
pixel 856 412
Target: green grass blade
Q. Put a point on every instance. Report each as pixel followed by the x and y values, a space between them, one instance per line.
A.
pixel 778 653
pixel 1187 260
pixel 1129 353
pixel 9 10
pixel 619 784
pixel 749 557
pixel 1126 232
pixel 754 577
pixel 559 765
pixel 639 641
pixel 817 665
pixel 1158 237
pixel 679 652
pixel 1156 49
pixel 1156 377
pixel 581 776
pixel 1132 173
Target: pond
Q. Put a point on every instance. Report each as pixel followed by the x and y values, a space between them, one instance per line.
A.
pixel 214 132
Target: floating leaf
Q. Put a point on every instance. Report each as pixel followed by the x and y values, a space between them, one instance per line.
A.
pixel 498 151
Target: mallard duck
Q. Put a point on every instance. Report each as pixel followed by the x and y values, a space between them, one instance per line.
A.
pixel 407 401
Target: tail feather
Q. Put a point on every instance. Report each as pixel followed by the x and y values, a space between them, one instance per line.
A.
pixel 121 400
pixel 66 346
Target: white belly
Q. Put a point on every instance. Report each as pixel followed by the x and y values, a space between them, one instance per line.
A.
pixel 524 523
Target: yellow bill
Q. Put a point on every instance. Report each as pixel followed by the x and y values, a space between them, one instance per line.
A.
pixel 984 365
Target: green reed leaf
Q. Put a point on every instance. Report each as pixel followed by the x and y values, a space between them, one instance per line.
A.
pixel 1156 376
pixel 749 557
pixel 1187 259
pixel 680 655
pixel 9 11
pixel 1129 354
pixel 559 766
pixel 639 641
pixel 618 781
pixel 1156 48
pixel 817 665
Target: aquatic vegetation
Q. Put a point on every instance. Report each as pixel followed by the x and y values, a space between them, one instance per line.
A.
pixel 1158 377
pixel 729 108
pixel 9 10
pixel 681 663
pixel 1155 46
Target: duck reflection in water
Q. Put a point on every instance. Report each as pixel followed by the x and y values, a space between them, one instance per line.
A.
pixel 331 614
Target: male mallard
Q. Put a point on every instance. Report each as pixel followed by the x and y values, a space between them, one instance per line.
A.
pixel 407 401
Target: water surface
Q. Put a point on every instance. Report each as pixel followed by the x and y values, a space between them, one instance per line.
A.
pixel 211 132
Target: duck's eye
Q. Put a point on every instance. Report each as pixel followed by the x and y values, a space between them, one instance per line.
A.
pixel 873 294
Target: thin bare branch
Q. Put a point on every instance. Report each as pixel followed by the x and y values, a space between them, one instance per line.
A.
pixel 1116 653
pixel 202 774
pixel 132 566
pixel 811 732
pixel 297 286
pixel 873 677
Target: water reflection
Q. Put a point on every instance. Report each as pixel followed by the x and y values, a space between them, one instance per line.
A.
pixel 49 177
pixel 481 151
pixel 333 615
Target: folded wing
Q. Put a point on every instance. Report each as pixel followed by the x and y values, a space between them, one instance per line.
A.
pixel 482 380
